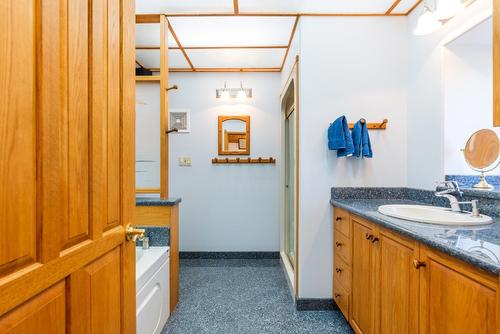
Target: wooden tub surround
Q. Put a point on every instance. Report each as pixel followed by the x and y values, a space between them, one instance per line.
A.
pixel 384 282
pixel 163 213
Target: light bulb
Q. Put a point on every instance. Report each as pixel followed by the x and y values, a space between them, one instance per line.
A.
pixel 446 9
pixel 242 95
pixel 427 23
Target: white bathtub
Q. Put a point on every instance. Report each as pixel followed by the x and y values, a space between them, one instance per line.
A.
pixel 152 289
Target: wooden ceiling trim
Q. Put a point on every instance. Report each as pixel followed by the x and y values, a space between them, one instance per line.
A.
pixel 147 18
pixel 413 7
pixel 394 5
pixel 174 35
pixel 215 47
pixel 236 7
pixel 290 41
pixel 223 69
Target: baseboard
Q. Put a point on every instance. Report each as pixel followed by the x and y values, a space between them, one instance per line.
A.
pixel 229 255
pixel 315 304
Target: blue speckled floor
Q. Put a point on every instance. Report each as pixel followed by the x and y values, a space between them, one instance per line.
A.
pixel 243 296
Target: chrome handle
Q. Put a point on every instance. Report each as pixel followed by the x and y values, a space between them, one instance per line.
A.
pixel 131 233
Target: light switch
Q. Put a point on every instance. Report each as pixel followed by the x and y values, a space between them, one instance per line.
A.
pixel 185 161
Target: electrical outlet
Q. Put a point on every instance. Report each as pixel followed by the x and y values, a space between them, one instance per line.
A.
pixel 185 161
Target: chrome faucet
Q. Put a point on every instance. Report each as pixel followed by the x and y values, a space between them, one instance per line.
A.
pixel 451 191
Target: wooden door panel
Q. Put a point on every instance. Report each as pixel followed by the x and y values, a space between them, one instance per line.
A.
pixel 398 285
pixel 44 313
pixel 362 278
pixel 454 298
pixel 95 295
pixel 78 228
pixel 17 136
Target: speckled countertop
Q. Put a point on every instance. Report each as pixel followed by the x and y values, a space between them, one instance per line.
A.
pixel 478 246
pixel 150 201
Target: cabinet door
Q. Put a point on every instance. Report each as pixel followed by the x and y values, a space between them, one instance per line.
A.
pixel 362 317
pixel 455 298
pixel 397 284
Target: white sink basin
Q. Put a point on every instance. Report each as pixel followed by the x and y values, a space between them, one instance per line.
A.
pixel 432 215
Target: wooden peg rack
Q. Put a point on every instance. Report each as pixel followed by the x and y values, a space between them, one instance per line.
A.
pixel 243 161
pixel 373 126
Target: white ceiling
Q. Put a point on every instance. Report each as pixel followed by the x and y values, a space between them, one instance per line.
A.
pixel 237 31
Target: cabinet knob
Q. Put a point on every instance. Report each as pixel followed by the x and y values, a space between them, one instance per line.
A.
pixel 417 264
pixel 338 218
pixel 374 239
pixel 368 236
pixel 338 244
pixel 337 295
pixel 338 270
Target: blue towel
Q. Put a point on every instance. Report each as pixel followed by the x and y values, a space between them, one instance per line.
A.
pixel 339 137
pixel 361 140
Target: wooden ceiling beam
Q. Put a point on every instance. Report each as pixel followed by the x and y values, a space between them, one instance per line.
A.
pixel 215 47
pixel 174 35
pixel 413 7
pixel 394 5
pixel 147 18
pixel 290 41
pixel 236 7
pixel 221 69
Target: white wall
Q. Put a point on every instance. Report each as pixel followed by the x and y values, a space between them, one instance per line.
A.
pixel 468 80
pixel 426 95
pixel 147 135
pixel 358 69
pixel 226 207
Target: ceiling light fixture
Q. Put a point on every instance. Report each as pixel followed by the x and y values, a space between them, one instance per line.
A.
pixel 430 20
pixel 240 93
pixel 427 22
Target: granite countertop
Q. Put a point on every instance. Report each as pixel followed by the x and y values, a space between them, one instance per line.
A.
pixel 478 246
pixel 151 201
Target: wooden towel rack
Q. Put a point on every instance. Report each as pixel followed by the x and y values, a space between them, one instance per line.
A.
pixel 372 126
pixel 243 161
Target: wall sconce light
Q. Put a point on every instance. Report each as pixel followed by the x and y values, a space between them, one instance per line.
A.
pixel 233 93
pixel 432 19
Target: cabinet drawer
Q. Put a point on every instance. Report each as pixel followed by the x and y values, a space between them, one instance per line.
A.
pixel 341 298
pixel 342 273
pixel 341 221
pixel 342 247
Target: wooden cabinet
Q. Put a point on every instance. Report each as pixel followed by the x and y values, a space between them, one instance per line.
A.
pixel 363 275
pixel 393 284
pixel 454 298
pixel 396 284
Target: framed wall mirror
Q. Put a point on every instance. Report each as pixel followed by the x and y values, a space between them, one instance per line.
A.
pixel 234 135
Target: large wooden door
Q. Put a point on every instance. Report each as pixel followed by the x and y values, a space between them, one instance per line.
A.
pixel 66 166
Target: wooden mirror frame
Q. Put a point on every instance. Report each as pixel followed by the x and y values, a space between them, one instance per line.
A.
pixel 245 119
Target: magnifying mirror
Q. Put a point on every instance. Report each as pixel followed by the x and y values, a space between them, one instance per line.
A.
pixel 482 152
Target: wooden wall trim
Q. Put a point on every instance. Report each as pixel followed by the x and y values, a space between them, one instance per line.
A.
pixel 215 47
pixel 290 42
pixel 163 107
pixel 226 69
pixel 413 7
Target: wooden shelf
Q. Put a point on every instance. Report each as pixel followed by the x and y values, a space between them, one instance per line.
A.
pixel 147 78
pixel 243 161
